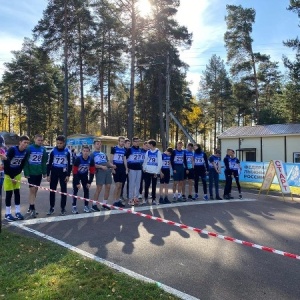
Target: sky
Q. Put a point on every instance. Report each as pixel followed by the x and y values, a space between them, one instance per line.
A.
pixel 204 18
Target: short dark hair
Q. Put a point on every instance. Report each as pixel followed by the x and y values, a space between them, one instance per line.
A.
pixel 97 140
pixel 23 138
pixel 61 138
pixel 190 145
pixel 135 139
pixel 169 149
pixel 217 151
pixel 38 136
pixel 85 147
pixel 127 140
pixel 152 142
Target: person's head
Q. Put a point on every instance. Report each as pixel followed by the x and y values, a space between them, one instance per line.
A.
pixel 85 150
pixel 179 145
pixel 169 151
pixel 217 152
pixel 135 141
pixel 230 152
pixel 197 148
pixel 60 141
pixel 2 141
pixel 97 144
pixel 145 145
pixel 121 141
pixel 152 144
pixel 190 146
pixel 127 143
pixel 38 139
pixel 23 142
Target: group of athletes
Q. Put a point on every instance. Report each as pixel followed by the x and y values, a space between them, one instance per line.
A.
pixel 141 167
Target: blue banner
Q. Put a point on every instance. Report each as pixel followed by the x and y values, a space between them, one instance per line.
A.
pixel 255 171
pixel 80 141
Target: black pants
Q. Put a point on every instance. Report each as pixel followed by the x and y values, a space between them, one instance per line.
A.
pixel 148 179
pixel 213 178
pixel 141 184
pixel 8 197
pixel 58 176
pixel 228 184
pixel 200 172
pixel 86 192
pixel 127 187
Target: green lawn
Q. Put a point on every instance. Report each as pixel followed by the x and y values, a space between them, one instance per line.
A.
pixel 32 268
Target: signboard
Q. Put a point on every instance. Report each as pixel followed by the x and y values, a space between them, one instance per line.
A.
pixel 276 167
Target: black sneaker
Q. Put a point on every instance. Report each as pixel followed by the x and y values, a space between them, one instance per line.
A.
pixel 63 212
pixel 190 197
pixel 95 208
pixel 51 211
pixel 226 197
pixel 166 200
pixel 211 198
pixel 230 197
pixel 240 196
pixel 29 210
pixel 105 206
pixel 219 198
pixel 161 200
pixel 183 197
pixel 118 204
pixel 33 213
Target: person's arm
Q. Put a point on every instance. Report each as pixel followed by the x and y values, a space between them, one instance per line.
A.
pixel 226 163
pixel 69 166
pixel 49 163
pixel 26 164
pixel 92 171
pixel 206 162
pixel 7 159
pixel 75 171
pixel 159 163
pixel 172 159
pixel 145 161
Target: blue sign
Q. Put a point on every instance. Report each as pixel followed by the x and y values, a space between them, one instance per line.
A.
pixel 255 172
pixel 80 141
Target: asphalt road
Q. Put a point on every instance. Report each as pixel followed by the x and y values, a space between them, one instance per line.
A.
pixel 199 265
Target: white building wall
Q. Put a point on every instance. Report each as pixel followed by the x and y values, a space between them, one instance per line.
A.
pixel 273 148
pixel 292 145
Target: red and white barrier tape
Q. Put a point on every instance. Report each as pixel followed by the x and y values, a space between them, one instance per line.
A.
pixel 182 226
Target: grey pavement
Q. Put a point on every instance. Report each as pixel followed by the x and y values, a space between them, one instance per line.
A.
pixel 196 264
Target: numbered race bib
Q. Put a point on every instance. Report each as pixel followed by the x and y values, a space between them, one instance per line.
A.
pixel 199 161
pixel 35 158
pixel 118 158
pixel 152 161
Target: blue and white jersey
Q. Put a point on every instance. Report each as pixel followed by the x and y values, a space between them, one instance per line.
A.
pixel 18 158
pixel 152 158
pixel 214 159
pixel 189 159
pixel 118 155
pixel 84 165
pixel 166 162
pixel 199 159
pixel 100 158
pixel 136 156
pixel 234 163
pixel 36 155
pixel 178 157
pixel 60 158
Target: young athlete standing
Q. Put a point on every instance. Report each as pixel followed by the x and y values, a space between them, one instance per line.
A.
pixel 14 162
pixel 189 170
pixel 165 177
pixel 144 149
pixel 134 164
pixel 35 169
pixel 151 167
pixel 120 170
pixel 201 170
pixel 103 175
pixel 59 169
pixel 214 171
pixel 177 162
pixel 83 175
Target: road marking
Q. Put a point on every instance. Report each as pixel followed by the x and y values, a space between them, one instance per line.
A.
pixel 115 212
pixel 114 266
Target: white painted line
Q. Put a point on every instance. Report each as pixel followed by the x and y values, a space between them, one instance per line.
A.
pixel 116 211
pixel 114 266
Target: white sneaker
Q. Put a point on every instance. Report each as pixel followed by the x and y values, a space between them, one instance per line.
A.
pixel 140 196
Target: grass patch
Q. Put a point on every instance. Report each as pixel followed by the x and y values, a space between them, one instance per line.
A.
pixel 31 268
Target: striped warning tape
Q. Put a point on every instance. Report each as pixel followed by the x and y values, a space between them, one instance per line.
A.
pixel 182 226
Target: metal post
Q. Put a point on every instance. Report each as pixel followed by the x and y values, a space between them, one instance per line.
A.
pixel 167 100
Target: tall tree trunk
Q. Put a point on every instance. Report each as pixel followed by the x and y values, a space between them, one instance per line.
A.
pixel 160 107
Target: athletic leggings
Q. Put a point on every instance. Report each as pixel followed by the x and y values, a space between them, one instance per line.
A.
pixel 86 191
pixel 8 197
pixel 228 185
pixel 58 175
pixel 200 172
